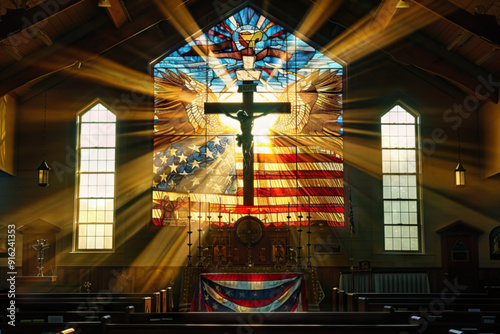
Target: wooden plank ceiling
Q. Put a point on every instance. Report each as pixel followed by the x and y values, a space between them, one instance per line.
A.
pixel 457 40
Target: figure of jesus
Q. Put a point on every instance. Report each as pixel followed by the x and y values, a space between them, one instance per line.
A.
pixel 245 139
pixel 245 116
pixel 40 247
pixel 246 125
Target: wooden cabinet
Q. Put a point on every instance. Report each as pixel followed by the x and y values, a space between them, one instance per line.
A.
pixel 459 253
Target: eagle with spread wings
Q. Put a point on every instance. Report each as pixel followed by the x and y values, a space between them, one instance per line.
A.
pixel 316 109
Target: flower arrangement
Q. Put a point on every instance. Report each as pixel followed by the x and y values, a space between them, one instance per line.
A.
pixel 85 286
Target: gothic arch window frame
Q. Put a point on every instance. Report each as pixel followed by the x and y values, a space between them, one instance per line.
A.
pixel 396 208
pixel 104 230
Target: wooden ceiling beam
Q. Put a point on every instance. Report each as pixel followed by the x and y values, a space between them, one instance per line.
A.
pixel 13 53
pixel 385 12
pixel 460 40
pixel 458 70
pixel 482 25
pixel 15 21
pixel 69 50
pixel 35 32
pixel 410 53
pixel 118 13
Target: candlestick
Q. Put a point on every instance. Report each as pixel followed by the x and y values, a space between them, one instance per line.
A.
pixel 288 240
pixel 219 234
pixel 200 247
pixel 210 247
pixel 309 235
pixel 299 247
pixel 189 232
pixel 229 249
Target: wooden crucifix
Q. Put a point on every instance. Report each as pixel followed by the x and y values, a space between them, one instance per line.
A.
pixel 245 113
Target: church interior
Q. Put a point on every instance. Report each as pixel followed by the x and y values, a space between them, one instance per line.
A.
pixel 180 160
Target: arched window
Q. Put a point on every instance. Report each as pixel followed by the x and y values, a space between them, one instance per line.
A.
pixel 96 179
pixel 400 182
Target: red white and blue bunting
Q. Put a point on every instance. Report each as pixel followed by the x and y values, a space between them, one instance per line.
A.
pixel 273 292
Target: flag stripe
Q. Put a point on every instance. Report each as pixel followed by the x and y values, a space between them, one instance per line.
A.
pixel 295 174
pixel 290 150
pixel 295 166
pixel 304 191
pixel 293 158
pixel 290 183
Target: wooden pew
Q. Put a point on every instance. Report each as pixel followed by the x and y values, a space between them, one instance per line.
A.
pixel 351 302
pixel 75 306
pixel 342 301
pixel 70 316
pixel 353 322
pixel 462 317
pixel 259 328
pixel 390 298
pixel 163 294
pixel 170 299
pixel 335 299
pixel 476 329
pixel 422 295
pixel 270 318
pixel 95 327
pixel 373 302
pixel 74 296
pixel 371 306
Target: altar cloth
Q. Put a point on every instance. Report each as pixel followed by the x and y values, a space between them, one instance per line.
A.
pixel 250 292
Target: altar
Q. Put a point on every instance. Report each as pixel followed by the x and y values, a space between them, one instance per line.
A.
pixel 249 267
pixel 250 292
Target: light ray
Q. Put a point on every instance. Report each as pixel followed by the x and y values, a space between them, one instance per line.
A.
pixel 316 16
pixel 376 31
pixel 179 16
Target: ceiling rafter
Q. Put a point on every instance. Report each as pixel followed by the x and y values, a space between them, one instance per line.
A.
pixel 15 21
pixel 423 52
pixel 118 13
pixel 65 51
pixel 482 25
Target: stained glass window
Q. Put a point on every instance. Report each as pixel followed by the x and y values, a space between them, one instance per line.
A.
pixel 96 178
pixel 298 157
pixel 400 181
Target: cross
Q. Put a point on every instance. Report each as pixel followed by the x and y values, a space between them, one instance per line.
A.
pixel 245 113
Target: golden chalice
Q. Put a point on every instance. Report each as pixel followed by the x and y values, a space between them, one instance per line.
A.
pixel 250 37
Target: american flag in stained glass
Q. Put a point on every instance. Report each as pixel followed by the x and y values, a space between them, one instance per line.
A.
pixel 298 157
